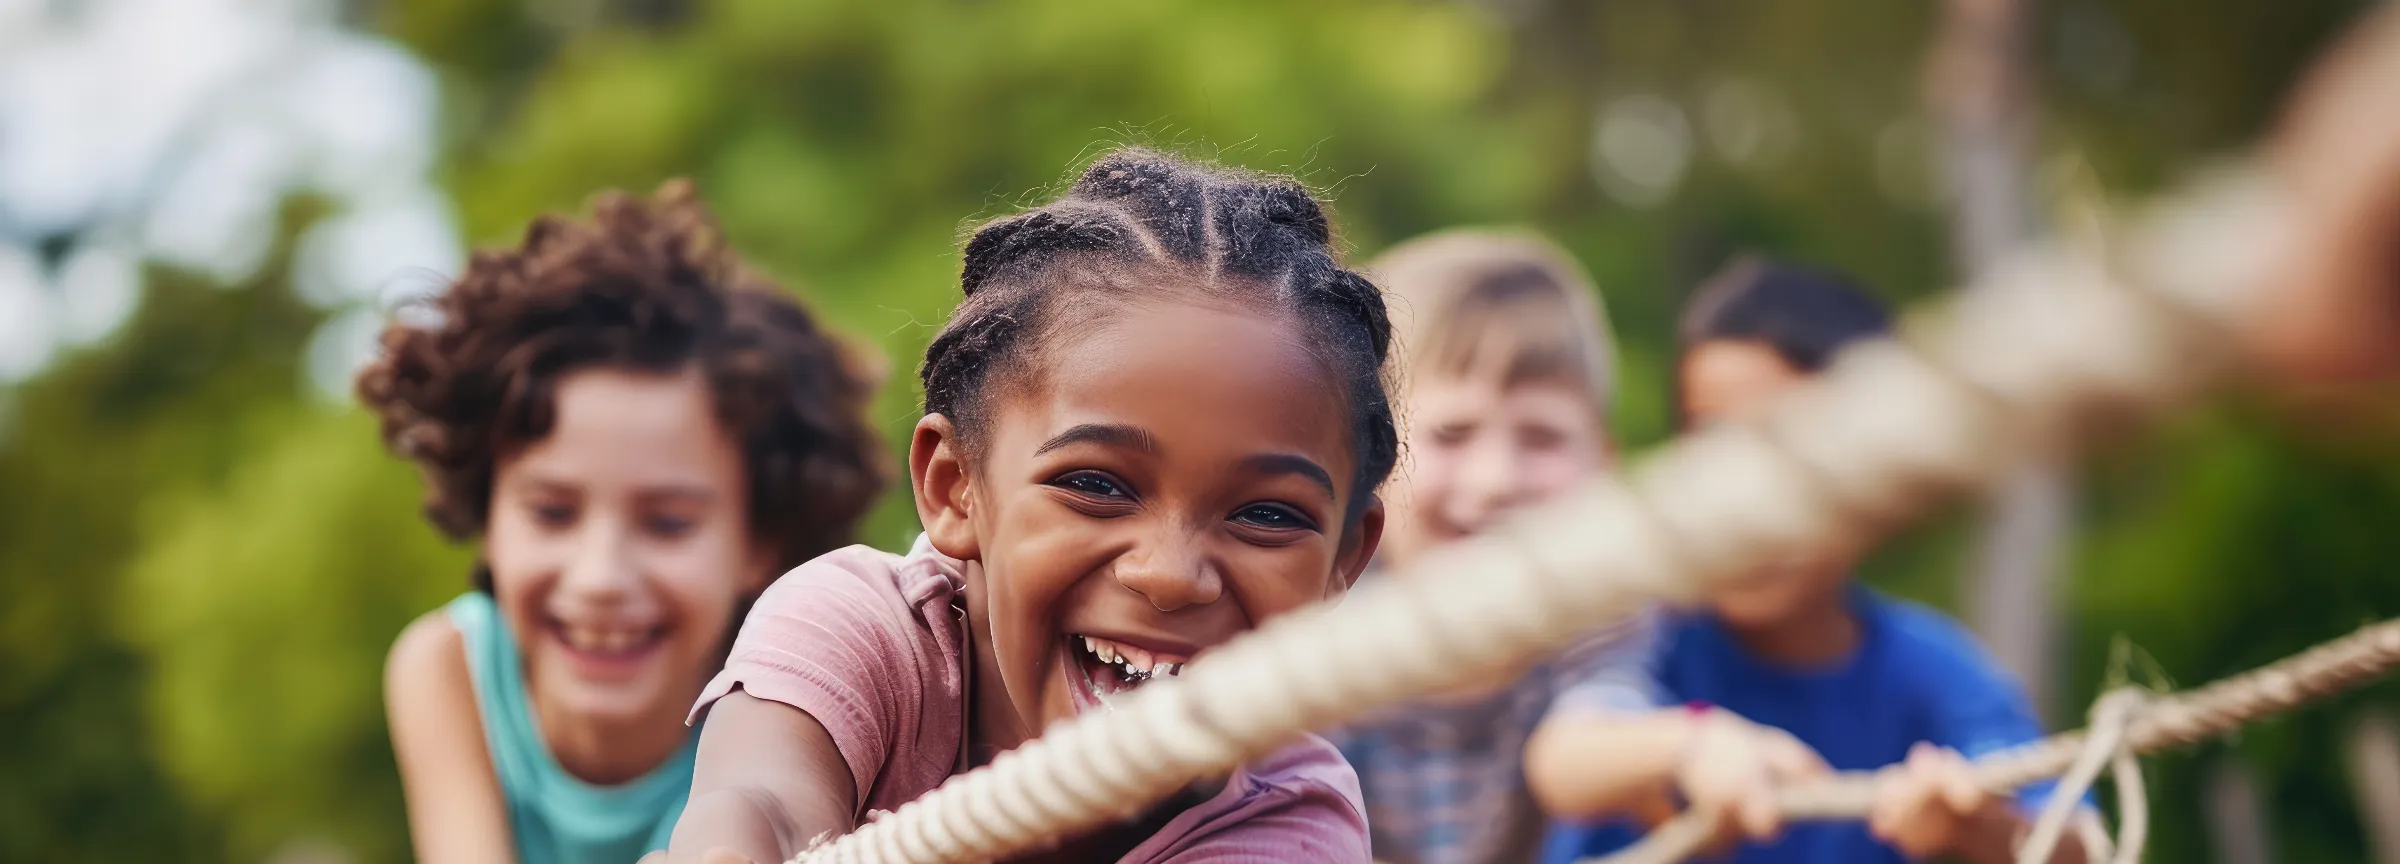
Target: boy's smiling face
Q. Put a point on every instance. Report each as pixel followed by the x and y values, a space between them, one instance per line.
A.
pixel 1151 486
pixel 1478 448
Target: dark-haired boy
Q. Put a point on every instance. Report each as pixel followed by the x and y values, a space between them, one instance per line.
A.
pixel 1862 680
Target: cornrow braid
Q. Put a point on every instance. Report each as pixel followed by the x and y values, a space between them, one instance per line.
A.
pixel 1136 221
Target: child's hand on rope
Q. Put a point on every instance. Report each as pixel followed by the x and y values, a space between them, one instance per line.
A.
pixel 1731 768
pixel 1930 804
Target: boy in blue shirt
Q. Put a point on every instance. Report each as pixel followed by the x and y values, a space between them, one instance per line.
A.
pixel 1862 681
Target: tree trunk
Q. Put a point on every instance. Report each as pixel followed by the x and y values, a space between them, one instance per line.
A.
pixel 2237 815
pixel 1981 96
pixel 2373 749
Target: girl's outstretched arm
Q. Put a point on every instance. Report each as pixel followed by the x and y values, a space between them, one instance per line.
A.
pixel 768 780
pixel 455 812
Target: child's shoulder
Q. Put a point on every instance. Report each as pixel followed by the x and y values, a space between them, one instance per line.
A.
pixel 876 608
pixel 430 701
pixel 1301 802
pixel 1967 699
pixel 1940 646
pixel 870 645
pixel 430 652
pixel 1312 764
pixel 920 579
pixel 1922 626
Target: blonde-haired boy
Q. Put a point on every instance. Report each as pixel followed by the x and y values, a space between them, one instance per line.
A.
pixel 1508 374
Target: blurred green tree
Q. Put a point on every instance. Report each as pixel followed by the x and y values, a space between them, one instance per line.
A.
pixel 265 605
pixel 82 450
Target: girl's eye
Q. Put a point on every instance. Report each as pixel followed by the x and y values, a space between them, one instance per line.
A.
pixel 1275 516
pixel 669 527
pixel 1093 484
pixel 554 515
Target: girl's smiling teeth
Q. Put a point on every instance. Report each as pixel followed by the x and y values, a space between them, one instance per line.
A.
pixel 1134 661
pixel 1108 667
pixel 609 640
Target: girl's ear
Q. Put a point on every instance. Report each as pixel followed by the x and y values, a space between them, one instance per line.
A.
pixel 938 475
pixel 1358 549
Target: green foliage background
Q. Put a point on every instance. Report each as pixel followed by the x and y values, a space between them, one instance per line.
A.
pixel 200 567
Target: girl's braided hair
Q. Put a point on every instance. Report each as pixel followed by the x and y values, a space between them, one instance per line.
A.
pixel 645 285
pixel 1139 222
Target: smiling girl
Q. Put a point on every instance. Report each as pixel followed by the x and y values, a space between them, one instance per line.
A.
pixel 642 435
pixel 1157 420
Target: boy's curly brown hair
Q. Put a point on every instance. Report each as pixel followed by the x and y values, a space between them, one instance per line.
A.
pixel 647 284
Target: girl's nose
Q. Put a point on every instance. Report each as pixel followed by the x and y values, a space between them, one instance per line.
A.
pixel 602 566
pixel 1171 574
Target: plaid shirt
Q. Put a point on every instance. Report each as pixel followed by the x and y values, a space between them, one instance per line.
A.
pixel 1444 779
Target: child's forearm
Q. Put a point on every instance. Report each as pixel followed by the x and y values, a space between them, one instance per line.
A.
pixel 1585 767
pixel 767 781
pixel 749 821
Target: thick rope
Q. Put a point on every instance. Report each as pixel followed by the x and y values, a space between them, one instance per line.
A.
pixel 2141 724
pixel 2059 347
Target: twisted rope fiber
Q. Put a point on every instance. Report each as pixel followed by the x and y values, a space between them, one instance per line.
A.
pixel 2024 365
pixel 2104 746
pixel 2154 723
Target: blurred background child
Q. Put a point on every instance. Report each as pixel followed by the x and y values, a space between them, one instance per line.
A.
pixel 1508 374
pixel 1862 680
pixel 639 434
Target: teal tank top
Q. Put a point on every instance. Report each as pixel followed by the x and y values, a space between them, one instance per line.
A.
pixel 554 817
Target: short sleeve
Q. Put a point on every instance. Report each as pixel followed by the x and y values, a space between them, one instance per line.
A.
pixel 1299 804
pixel 1309 834
pixel 1612 671
pixel 838 638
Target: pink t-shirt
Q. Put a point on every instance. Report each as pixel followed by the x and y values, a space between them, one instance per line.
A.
pixel 872 645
